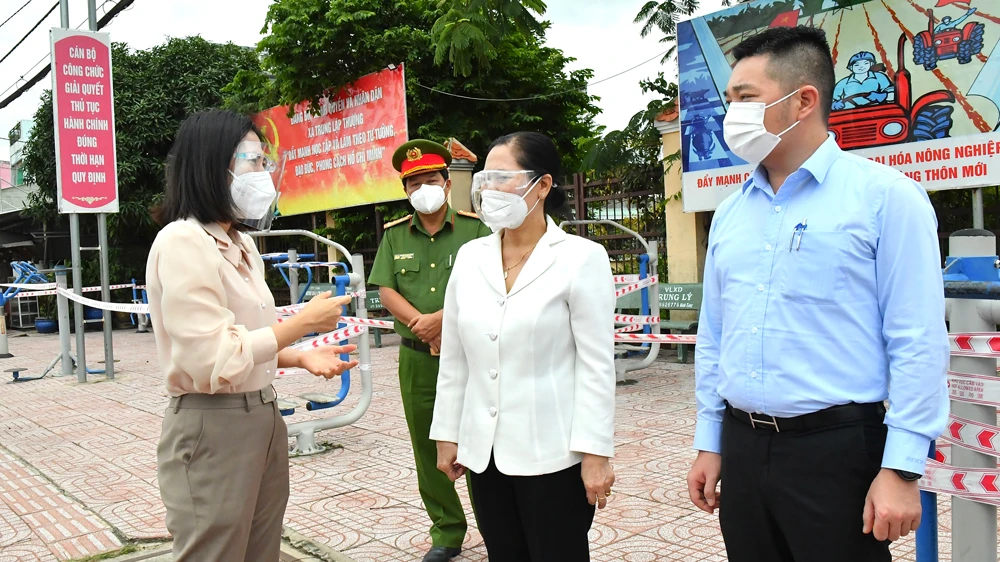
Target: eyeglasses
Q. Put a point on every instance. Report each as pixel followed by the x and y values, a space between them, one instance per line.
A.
pixel 258 158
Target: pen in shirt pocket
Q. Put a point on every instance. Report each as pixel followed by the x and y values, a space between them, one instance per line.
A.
pixel 800 229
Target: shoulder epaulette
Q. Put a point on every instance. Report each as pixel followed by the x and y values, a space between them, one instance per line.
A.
pixel 397 221
pixel 468 214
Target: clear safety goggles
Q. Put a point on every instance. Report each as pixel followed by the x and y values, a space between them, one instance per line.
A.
pixel 511 181
pixel 255 159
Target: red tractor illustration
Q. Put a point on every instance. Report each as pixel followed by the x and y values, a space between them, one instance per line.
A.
pixel 948 41
pixel 897 121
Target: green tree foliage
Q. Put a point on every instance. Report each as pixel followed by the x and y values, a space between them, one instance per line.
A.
pixel 313 46
pixel 155 90
pixel 471 30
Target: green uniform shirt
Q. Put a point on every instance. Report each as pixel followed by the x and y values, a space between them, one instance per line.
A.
pixel 417 265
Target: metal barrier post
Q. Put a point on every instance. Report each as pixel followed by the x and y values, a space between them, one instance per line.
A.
pixel 4 349
pixel 974 525
pixel 644 293
pixel 927 532
pixel 62 305
pixel 293 275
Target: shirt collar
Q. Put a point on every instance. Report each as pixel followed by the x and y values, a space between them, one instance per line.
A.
pixel 818 165
pixel 449 219
pixel 230 244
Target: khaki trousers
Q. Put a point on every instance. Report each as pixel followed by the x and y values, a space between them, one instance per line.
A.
pixel 223 476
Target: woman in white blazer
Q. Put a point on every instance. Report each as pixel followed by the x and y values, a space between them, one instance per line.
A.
pixel 526 387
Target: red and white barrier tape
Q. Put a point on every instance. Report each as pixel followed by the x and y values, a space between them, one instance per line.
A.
pixel 373 322
pixel 661 338
pixel 332 338
pixel 113 306
pixel 626 319
pixel 977 436
pixel 29 286
pixel 975 344
pixel 626 329
pixel 304 264
pixel 626 279
pixel 26 294
pixel 635 286
pixel 975 484
pixel 942 454
pixel 974 389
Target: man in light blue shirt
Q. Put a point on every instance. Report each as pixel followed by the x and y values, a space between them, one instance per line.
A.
pixel 823 297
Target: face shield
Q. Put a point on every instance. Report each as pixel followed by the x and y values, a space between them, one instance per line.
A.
pixel 516 182
pixel 256 185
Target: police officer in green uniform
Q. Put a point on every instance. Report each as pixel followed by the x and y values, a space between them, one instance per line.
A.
pixel 412 268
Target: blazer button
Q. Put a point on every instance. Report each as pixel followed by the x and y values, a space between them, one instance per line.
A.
pixel 500 302
pixel 262 305
pixel 493 373
pixel 493 412
pixel 493 337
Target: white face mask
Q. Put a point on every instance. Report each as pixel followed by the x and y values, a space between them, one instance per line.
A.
pixel 744 131
pixel 501 209
pixel 253 194
pixel 428 199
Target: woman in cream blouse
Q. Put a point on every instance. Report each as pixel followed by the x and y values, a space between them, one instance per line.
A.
pixel 526 387
pixel 223 451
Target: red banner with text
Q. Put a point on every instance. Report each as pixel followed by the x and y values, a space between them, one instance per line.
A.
pixel 343 156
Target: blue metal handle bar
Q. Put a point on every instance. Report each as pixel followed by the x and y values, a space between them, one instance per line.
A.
pixel 26 273
pixel 281 267
pixel 309 282
pixel 927 532
pixel 341 281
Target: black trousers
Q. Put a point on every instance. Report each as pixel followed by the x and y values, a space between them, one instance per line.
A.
pixel 799 497
pixel 533 518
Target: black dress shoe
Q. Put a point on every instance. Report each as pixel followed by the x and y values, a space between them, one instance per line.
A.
pixel 441 554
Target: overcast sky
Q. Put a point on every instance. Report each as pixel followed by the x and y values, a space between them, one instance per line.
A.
pixel 598 33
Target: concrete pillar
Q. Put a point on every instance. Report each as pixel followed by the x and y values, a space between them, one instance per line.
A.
pixel 463 161
pixel 687 236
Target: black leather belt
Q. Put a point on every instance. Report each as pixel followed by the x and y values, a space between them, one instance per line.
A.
pixel 848 413
pixel 416 345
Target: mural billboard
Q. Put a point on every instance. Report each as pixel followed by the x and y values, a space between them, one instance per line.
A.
pixel 918 88
pixel 343 156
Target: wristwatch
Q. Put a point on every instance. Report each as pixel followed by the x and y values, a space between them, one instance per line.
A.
pixel 908 476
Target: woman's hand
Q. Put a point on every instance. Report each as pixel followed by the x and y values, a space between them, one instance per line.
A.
pixel 598 478
pixel 322 312
pixel 448 460
pixel 326 362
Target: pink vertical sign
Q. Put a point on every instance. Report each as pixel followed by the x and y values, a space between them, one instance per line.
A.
pixel 83 114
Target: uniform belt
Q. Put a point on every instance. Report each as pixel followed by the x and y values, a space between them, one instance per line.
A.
pixel 848 413
pixel 416 345
pixel 224 401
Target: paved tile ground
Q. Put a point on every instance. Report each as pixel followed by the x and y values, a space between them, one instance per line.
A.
pixel 78 466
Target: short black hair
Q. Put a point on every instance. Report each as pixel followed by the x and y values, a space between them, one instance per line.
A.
pixel 798 55
pixel 198 177
pixel 537 152
pixel 443 172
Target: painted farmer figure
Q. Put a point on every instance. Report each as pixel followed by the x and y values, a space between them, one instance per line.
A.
pixel 868 84
pixel 412 268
